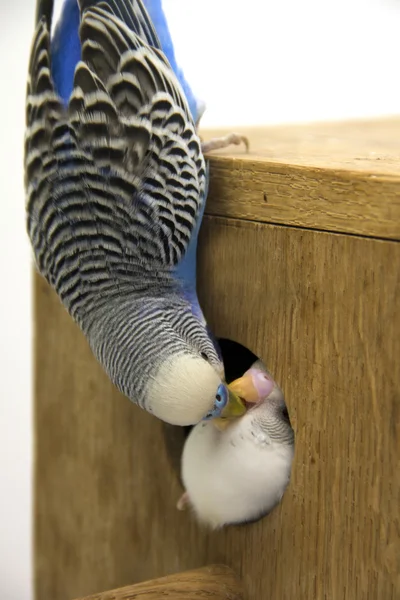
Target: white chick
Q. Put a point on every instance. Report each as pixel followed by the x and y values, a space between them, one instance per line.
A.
pixel 237 471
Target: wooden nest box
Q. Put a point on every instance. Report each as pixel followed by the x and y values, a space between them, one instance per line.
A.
pixel 299 260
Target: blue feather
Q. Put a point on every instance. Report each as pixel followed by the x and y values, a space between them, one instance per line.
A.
pixel 156 13
pixel 185 270
pixel 66 49
pixel 66 53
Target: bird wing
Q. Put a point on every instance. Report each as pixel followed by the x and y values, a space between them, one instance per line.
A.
pixel 160 22
pixel 116 179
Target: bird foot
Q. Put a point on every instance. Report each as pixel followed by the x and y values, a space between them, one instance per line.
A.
pixel 233 139
pixel 183 502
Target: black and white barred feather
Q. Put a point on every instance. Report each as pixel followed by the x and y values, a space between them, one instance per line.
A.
pixel 115 179
pixel 116 184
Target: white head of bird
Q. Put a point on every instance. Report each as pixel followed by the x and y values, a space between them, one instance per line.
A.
pixel 236 471
pixel 169 364
pixel 190 389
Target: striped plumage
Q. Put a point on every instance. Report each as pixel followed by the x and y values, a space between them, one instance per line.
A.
pixel 157 15
pixel 116 185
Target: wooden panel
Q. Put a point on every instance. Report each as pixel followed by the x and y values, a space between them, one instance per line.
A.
pixel 365 146
pixel 322 310
pixel 216 582
pixel 342 177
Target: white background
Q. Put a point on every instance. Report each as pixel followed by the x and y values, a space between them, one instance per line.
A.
pixel 253 62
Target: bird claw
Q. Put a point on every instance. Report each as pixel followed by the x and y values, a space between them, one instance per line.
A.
pixel 183 502
pixel 232 139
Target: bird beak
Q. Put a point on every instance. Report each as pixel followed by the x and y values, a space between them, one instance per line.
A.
pixel 235 408
pixel 254 386
pixel 245 388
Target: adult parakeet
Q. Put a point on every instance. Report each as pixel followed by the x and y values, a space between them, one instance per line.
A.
pixel 237 473
pixel 116 185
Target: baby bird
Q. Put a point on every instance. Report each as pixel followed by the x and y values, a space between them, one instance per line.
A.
pixel 236 471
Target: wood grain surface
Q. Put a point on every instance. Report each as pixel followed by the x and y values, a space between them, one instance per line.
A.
pixel 322 310
pixel 342 177
pixel 216 582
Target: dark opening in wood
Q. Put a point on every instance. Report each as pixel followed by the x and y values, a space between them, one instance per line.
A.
pixel 237 359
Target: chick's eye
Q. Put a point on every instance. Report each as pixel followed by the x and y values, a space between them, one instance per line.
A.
pixel 204 355
pixel 285 415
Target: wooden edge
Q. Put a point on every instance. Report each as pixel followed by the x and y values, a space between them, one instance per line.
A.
pixel 216 581
pixel 366 146
pixel 300 196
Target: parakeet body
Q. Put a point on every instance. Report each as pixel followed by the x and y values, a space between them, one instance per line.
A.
pixel 239 473
pixel 116 186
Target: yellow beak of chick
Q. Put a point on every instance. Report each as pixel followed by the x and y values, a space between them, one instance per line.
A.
pixel 239 390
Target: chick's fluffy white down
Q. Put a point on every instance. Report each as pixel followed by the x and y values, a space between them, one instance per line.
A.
pixel 233 476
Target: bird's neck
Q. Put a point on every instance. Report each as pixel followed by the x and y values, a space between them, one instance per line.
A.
pixel 131 335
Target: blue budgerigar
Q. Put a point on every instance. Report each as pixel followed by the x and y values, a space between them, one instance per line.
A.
pixel 116 184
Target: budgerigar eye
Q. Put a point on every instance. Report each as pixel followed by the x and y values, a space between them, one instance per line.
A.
pixel 221 400
pixel 204 355
pixel 221 397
